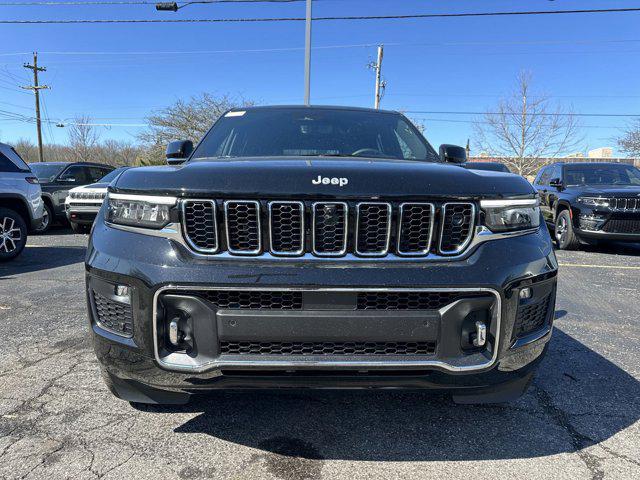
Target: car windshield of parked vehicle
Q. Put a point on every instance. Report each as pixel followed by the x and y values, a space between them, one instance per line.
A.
pixel 601 175
pixel 46 171
pixel 111 176
pixel 314 132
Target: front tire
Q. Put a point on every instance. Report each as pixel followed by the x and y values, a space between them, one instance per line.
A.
pixel 13 234
pixel 47 218
pixel 564 233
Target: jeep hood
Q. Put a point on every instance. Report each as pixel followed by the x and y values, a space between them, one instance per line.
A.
pixel 295 176
pixel 611 190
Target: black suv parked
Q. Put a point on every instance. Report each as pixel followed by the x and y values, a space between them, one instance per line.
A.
pixel 57 178
pixel 590 202
pixel 314 247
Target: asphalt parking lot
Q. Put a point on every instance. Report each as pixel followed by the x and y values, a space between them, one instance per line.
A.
pixel 580 419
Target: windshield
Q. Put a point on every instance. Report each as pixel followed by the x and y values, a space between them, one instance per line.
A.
pixel 46 171
pixel 278 132
pixel 602 175
pixel 109 177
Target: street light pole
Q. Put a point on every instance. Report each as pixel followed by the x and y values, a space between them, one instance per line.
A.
pixel 307 56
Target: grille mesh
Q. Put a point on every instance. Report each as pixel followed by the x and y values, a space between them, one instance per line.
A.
pixel 374 228
pixel 531 317
pixel 415 229
pixel 457 224
pixel 327 348
pixel 200 224
pixel 407 300
pixel 293 300
pixel 113 316
pixel 622 225
pixel 243 226
pixel 253 299
pixel 287 227
pixel 330 228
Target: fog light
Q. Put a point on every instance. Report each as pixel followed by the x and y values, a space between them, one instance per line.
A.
pixel 122 294
pixel 526 293
pixel 174 333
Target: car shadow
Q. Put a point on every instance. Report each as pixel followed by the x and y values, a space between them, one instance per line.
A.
pixel 579 398
pixel 610 248
pixel 33 259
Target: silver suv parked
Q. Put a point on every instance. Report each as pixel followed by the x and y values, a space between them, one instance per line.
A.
pixel 20 203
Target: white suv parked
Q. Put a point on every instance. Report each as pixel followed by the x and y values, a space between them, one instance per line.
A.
pixel 20 203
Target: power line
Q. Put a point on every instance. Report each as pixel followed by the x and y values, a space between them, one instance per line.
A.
pixel 331 18
pixel 555 114
pixel 323 47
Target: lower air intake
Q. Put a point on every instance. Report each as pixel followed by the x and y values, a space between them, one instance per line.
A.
pixel 113 316
pixel 327 348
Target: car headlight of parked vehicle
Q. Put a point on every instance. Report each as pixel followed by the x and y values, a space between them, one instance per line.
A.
pixel 595 201
pixel 511 215
pixel 139 210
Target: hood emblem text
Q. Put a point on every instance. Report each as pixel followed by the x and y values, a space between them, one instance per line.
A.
pixel 341 182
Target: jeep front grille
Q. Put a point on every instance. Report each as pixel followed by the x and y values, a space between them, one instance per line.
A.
pixel 328 228
pixel 625 204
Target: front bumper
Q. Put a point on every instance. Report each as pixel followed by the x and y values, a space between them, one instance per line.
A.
pixel 603 224
pixel 155 267
pixel 81 214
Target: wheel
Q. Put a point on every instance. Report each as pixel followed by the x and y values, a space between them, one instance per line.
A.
pixel 80 227
pixel 47 218
pixel 565 237
pixel 13 234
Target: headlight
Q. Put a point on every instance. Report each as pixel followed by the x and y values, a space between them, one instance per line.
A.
pixel 595 201
pixel 139 210
pixel 511 215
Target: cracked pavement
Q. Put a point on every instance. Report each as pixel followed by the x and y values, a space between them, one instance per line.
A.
pixel 580 419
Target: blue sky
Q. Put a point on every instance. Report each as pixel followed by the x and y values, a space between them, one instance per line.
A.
pixel 590 63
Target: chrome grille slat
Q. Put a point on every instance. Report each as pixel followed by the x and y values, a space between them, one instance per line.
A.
pixel 286 228
pixel 243 229
pixel 454 238
pixel 625 204
pixel 416 222
pixel 330 228
pixel 373 228
pixel 200 225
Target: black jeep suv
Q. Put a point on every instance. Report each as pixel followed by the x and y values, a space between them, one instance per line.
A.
pixel 585 203
pixel 318 247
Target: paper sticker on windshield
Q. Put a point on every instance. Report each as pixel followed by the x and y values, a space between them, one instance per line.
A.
pixel 236 114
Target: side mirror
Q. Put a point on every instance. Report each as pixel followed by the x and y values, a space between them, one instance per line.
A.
pixel 453 154
pixel 178 151
pixel 556 183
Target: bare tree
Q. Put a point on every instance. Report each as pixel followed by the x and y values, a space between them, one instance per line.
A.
pixel 523 128
pixel 630 141
pixel 83 139
pixel 184 120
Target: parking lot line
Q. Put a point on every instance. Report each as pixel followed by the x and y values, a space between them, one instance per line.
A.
pixel 615 267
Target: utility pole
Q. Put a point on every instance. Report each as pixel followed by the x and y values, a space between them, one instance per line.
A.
pixel 380 84
pixel 307 56
pixel 36 89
